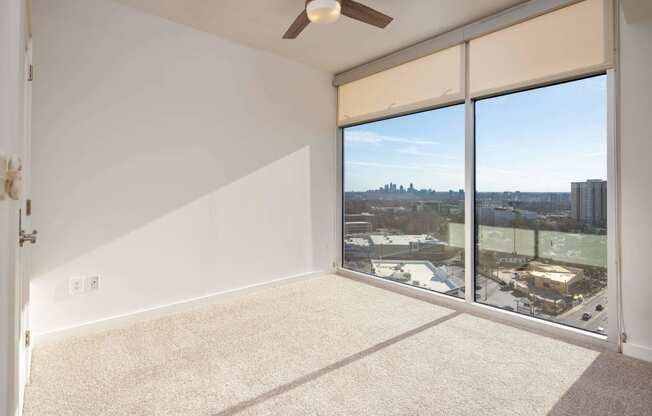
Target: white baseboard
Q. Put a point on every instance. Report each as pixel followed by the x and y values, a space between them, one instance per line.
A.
pixel 121 321
pixel 637 351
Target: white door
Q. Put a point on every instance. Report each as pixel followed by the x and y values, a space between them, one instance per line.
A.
pixel 15 122
pixel 26 236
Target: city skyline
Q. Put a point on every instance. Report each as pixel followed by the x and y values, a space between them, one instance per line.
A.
pixel 410 187
pixel 516 148
pixel 398 187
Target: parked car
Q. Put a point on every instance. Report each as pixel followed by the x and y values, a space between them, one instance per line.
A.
pixel 599 307
pixel 586 316
pixel 600 330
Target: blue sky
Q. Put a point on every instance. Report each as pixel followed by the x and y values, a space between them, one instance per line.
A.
pixel 534 141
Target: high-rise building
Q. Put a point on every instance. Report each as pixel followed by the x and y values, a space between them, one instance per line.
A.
pixel 589 201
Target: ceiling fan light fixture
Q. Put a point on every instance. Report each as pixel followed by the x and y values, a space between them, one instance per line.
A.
pixel 323 11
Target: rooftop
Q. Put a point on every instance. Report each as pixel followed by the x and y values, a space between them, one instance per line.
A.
pixel 357 241
pixel 428 275
pixel 552 272
pixel 403 239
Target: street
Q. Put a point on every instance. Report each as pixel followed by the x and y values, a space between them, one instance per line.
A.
pixel 489 292
pixel 599 318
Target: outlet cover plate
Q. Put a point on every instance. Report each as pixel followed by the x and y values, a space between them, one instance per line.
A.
pixel 93 283
pixel 76 285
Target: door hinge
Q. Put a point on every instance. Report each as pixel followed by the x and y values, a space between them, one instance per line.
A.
pixel 28 207
pixel 623 337
pixel 30 73
pixel 28 339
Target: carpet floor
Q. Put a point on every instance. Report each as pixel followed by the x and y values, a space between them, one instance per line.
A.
pixel 330 346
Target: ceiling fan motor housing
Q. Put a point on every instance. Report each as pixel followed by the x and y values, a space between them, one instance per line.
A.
pixel 323 11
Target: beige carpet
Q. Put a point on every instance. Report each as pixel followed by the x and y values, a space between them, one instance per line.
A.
pixel 330 346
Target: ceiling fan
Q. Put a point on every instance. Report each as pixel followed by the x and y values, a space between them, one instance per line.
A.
pixel 328 11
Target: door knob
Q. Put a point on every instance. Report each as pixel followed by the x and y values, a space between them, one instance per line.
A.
pixel 27 237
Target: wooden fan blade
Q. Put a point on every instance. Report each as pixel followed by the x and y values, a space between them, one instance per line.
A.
pixel 297 26
pixel 365 14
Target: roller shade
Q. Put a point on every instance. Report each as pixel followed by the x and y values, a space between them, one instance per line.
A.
pixel 429 81
pixel 573 40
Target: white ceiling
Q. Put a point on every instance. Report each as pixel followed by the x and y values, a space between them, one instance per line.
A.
pixel 333 48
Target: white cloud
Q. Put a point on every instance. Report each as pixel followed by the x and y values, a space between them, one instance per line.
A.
pixel 375 138
pixel 495 170
pixel 415 151
pixel 379 165
pixel 407 166
pixel 601 151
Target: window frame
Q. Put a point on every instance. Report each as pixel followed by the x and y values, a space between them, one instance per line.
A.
pixel 560 331
pixel 342 196
pixel 609 208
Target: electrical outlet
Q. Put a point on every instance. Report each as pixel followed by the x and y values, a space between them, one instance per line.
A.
pixel 92 283
pixel 76 285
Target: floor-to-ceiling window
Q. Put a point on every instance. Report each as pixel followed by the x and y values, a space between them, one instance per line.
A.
pixel 404 199
pixel 541 203
pixel 530 146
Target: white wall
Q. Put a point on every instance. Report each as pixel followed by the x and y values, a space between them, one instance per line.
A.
pixel 12 44
pixel 172 162
pixel 636 173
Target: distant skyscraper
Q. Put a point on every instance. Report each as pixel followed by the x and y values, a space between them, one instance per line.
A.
pixel 589 201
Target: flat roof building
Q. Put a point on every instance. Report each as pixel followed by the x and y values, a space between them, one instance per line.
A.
pixel 391 245
pixel 419 273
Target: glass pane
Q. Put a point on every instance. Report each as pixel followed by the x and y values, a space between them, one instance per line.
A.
pixel 404 199
pixel 541 203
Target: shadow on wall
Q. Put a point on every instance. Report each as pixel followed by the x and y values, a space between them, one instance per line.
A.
pixel 612 385
pixel 134 117
pixel 253 230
